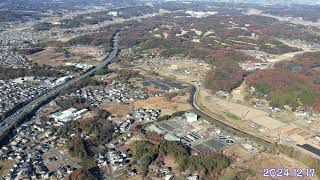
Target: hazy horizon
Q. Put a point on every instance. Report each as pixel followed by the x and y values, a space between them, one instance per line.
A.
pixel 307 2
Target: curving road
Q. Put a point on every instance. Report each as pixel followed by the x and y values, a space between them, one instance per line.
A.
pixel 9 123
pixel 214 120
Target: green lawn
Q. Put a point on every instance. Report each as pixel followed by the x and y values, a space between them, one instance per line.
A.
pixel 232 116
pixel 229 175
pixel 282 118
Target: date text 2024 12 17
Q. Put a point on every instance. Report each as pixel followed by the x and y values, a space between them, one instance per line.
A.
pixel 285 172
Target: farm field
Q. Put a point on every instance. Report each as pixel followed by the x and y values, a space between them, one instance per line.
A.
pixel 245 113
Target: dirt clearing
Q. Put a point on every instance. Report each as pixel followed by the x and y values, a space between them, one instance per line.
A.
pixel 167 106
pixel 221 106
pixel 119 110
pixel 56 57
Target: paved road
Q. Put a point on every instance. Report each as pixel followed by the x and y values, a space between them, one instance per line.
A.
pixel 110 168
pixel 56 151
pixel 193 102
pixel 7 124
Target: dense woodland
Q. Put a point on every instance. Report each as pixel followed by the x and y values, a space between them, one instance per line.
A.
pixel 81 174
pixel 150 152
pixel 224 79
pixel 83 19
pixel 282 85
pixel 97 128
pixel 307 12
pixel 36 70
pixel 102 39
pixel 294 83
pixel 42 26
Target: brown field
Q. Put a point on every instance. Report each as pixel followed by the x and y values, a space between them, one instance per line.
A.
pixel 167 106
pixel 294 134
pixel 137 177
pixel 287 56
pixel 263 160
pixel 237 151
pixel 119 110
pixel 64 38
pixel 170 162
pixel 239 93
pixel 63 158
pixel 5 167
pixel 184 70
pixel 49 57
pixel 245 113
pixel 138 137
pixel 53 165
pixel 181 69
pixel 81 54
pixel 87 50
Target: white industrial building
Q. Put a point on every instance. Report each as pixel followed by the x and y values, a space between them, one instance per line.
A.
pixel 68 115
pixel 190 117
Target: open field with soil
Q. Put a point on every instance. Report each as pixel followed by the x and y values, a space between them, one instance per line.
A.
pixel 118 110
pixel 244 113
pixel 5 167
pixel 79 54
pixel 184 70
pixel 167 106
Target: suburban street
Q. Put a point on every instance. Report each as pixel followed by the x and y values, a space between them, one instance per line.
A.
pixel 10 121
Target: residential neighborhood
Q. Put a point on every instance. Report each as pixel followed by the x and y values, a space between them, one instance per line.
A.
pixel 114 92
pixel 159 89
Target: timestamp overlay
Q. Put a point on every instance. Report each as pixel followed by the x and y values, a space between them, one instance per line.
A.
pixel 288 172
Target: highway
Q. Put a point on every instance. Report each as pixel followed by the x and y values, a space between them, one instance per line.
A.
pixel 9 123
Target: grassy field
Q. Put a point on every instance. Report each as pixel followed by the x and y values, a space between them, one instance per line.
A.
pixel 229 175
pixel 232 116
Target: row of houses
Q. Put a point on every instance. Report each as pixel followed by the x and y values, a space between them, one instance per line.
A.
pixel 114 92
pixel 147 115
pixel 12 39
pixel 31 141
pixel 13 93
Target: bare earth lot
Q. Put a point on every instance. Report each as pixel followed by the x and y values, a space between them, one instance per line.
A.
pixel 80 54
pixel 119 110
pixel 5 167
pixel 167 106
pixel 245 113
